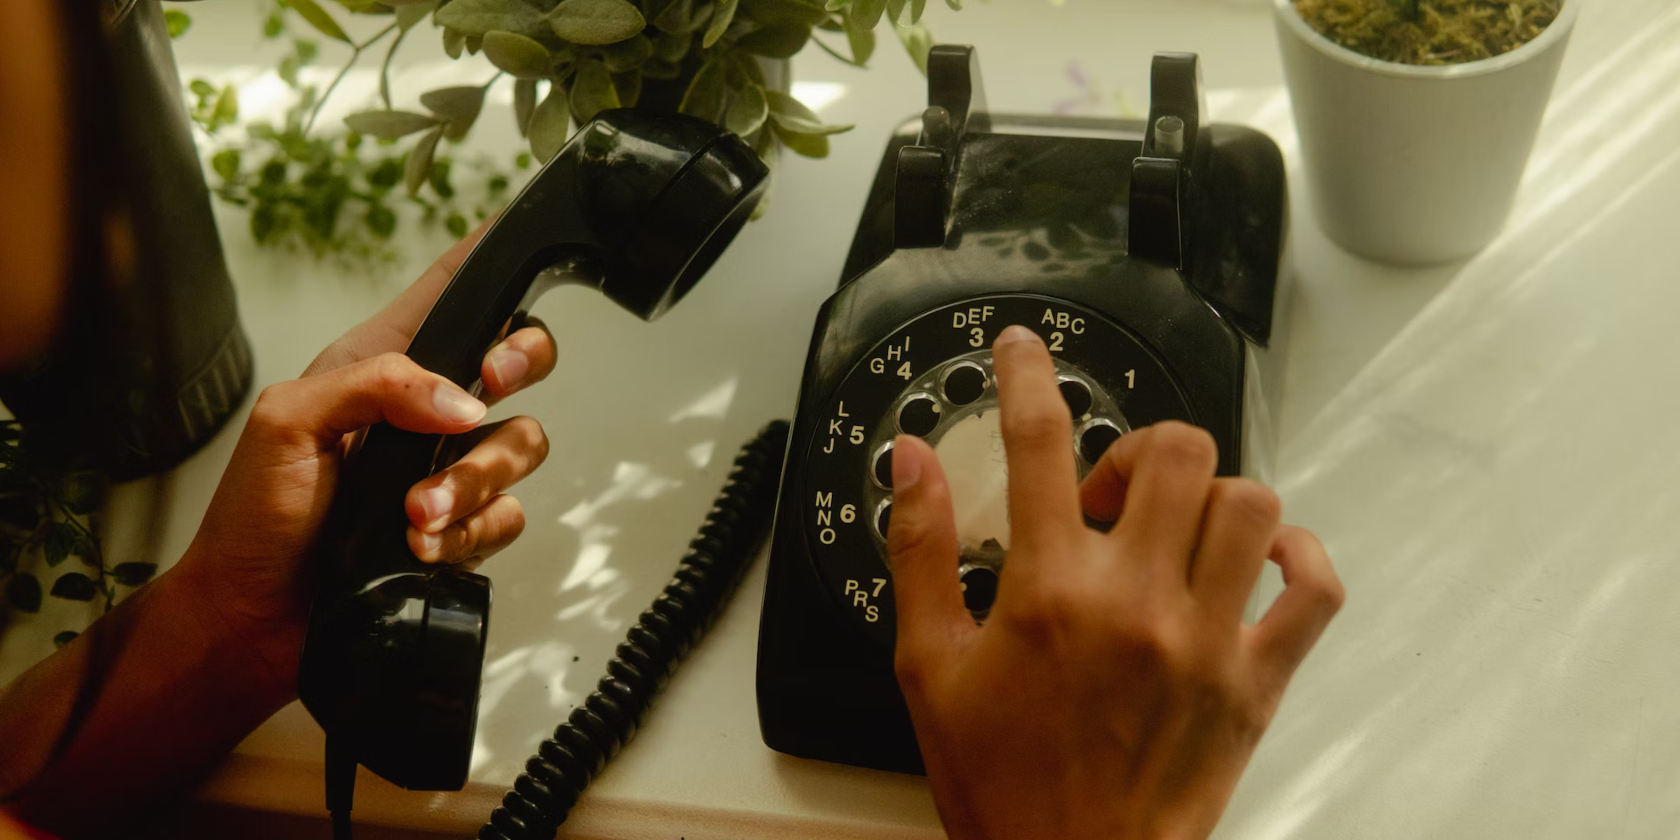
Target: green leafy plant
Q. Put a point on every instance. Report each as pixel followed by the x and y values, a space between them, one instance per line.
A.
pixel 569 60
pixel 47 512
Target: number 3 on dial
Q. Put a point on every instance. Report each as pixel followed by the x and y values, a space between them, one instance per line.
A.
pixel 976 337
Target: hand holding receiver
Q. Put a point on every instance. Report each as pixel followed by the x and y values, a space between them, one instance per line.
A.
pixel 637 205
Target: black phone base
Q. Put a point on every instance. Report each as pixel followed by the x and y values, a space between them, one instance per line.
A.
pixel 1145 253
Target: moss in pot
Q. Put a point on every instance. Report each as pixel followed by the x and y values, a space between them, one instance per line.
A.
pixel 1429 33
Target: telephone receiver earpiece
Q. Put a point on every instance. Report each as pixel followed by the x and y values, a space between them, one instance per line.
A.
pixel 638 205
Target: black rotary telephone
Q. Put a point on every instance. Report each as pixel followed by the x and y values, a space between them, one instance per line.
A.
pixel 1145 253
pixel 637 205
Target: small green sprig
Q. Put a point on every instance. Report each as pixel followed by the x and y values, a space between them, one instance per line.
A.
pixel 47 512
pixel 334 194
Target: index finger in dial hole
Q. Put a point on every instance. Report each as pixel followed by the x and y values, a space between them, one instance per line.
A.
pixel 509 451
pixel 1037 440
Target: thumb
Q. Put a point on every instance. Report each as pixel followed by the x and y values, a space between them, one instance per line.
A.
pixel 922 540
pixel 389 388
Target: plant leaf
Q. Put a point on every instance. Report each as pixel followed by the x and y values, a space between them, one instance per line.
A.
pixel 895 10
pixel 918 42
pixel 916 9
pixel 706 94
pixel 721 18
pixel 288 70
pixel 775 41
pixel 381 220
pixel 520 56
pixel 74 586
pixel 747 111
pixel 548 123
pixel 749 67
pixel 866 13
pixel 389 125
pixel 60 542
pixel 784 12
pixel 672 48
pixel 227 108
pixel 318 18
pixel 456 224
pixel 862 42
pixel 676 18
pixel 473 18
pixel 409 14
pixel 87 551
pixel 595 22
pixel 275 23
pixel 439 179
pixel 628 55
pixel 808 145
pixel 84 492
pixel 702 16
pixel 419 164
pixel 23 591
pixel 791 115
pixel 956 5
pixel 133 574
pixel 592 90
pixel 453 41
pixel 176 22
pixel 524 102
pixel 64 638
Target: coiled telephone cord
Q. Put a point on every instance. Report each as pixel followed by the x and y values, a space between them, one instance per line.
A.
pixel 734 530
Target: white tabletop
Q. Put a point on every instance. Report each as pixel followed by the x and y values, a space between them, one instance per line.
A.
pixel 1486 448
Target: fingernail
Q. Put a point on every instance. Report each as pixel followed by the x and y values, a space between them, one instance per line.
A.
pixel 906 471
pixel 509 364
pixel 1013 334
pixel 456 404
pixel 430 543
pixel 436 503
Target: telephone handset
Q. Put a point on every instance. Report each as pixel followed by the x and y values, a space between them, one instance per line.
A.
pixel 637 205
pixel 1144 253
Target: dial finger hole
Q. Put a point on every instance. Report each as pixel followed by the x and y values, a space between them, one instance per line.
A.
pixel 1095 437
pixel 1077 395
pixel 883 518
pixel 882 471
pixel 919 415
pixel 964 383
pixel 979 588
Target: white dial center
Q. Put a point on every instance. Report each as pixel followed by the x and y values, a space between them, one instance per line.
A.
pixel 971 452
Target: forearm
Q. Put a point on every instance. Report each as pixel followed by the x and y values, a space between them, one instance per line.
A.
pixel 135 708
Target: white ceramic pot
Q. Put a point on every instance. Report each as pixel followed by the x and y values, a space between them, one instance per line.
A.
pixel 1411 164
